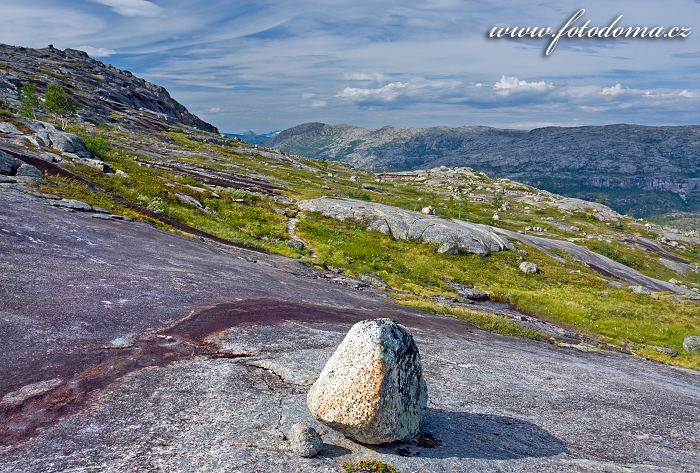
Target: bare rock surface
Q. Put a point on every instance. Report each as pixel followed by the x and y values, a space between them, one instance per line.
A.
pixel 372 388
pixel 177 391
pixel 409 225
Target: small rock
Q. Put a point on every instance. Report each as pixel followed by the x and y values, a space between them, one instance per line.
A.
pixel 429 210
pixel 448 248
pixel 495 217
pixel 305 441
pixel 529 268
pixel 95 163
pixel 296 244
pixel 372 388
pixel 353 178
pixel 121 173
pixel 189 200
pixel 8 164
pixel 640 290
pixel 29 172
pixel 9 129
pixel 72 205
pixel 369 187
pixel 68 143
pixel 291 213
pixel 692 343
pixel 471 293
pixel 372 280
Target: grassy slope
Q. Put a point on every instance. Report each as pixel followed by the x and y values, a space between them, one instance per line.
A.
pixel 567 293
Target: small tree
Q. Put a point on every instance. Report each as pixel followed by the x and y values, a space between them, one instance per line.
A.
pixel 29 100
pixel 61 105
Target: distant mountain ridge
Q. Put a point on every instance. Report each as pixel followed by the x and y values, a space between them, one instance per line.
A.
pixel 254 138
pixel 646 169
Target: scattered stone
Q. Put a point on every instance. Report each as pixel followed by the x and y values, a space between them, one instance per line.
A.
pixel 369 187
pixel 372 280
pixel 94 163
pixel 68 143
pixel 29 172
pixel 470 292
pixel 296 244
pixel 72 205
pixel 429 210
pixel 529 268
pixel 8 164
pixel 305 441
pixel 692 343
pixel 120 173
pixel 282 199
pixel 372 388
pixel 640 290
pixel 9 129
pixel 49 157
pixel 353 178
pixel 448 248
pixel 495 217
pixel 189 200
pixel 665 350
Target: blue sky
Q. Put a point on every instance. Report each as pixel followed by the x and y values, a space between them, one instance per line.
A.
pixel 272 64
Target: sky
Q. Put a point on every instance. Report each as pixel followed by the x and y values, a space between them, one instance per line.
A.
pixel 272 64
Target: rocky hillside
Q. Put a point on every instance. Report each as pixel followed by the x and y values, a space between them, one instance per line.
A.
pixel 146 263
pixel 105 93
pixel 649 170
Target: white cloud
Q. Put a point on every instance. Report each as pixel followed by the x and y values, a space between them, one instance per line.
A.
pixel 364 77
pixel 613 91
pixel 386 93
pixel 511 84
pixel 215 110
pixel 318 103
pixel 132 7
pixel 96 52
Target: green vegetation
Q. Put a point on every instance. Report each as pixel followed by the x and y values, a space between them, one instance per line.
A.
pixel 29 100
pixel 368 466
pixel 59 104
pixel 566 293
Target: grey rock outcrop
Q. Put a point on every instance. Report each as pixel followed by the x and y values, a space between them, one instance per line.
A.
pixel 304 440
pixel 692 343
pixel 372 388
pixel 410 225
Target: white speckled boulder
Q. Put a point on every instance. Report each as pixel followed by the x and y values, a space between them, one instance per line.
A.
pixel 372 388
